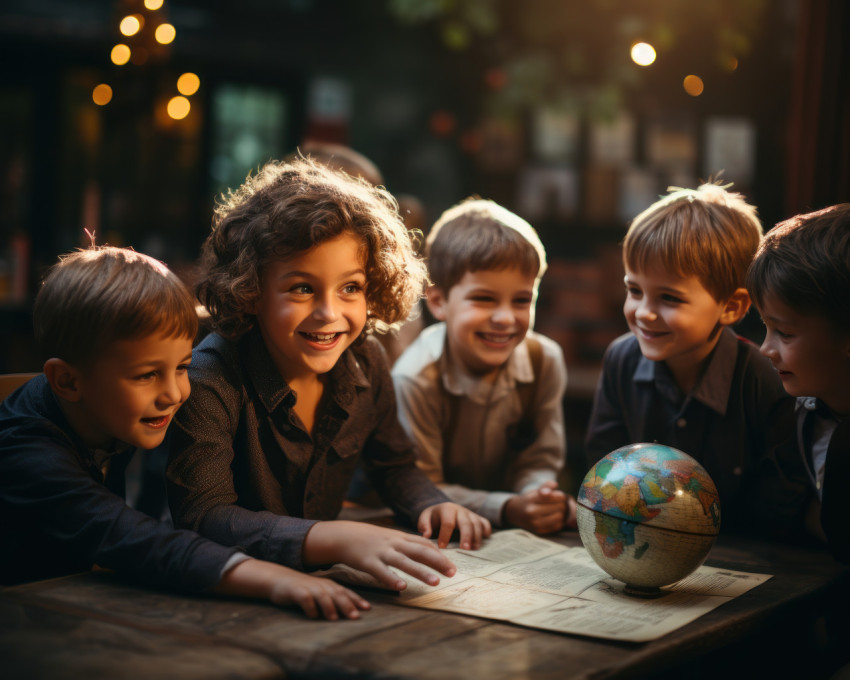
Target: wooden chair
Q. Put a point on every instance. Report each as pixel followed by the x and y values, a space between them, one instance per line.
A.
pixel 9 382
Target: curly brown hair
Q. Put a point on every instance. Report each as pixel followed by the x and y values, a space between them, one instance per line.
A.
pixel 288 208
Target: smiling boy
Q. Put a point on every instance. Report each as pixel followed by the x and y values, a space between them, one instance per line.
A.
pixel 479 392
pixel 800 281
pixel 117 327
pixel 682 377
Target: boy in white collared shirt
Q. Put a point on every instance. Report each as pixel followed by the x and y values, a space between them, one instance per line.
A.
pixel 480 393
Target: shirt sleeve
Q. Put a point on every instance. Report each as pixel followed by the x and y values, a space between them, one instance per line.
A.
pixel 390 456
pixel 607 429
pixel 544 458
pixel 201 489
pixel 44 482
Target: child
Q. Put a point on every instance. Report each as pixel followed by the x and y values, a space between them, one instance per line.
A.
pixel 479 392
pixel 118 328
pixel 291 393
pixel 682 377
pixel 800 282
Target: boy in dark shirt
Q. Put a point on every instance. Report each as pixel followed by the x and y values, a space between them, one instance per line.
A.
pixel 118 328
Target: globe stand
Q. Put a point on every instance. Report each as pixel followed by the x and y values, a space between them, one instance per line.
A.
pixel 646 592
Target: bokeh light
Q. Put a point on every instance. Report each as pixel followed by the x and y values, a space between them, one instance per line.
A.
pixel 102 94
pixel 178 107
pixel 120 54
pixel 165 34
pixel 188 84
pixel 693 85
pixel 153 5
pixel 643 54
pixel 132 24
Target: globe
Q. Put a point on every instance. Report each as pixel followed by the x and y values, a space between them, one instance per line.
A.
pixel 648 514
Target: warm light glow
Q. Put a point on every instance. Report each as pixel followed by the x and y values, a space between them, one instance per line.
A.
pixel 643 54
pixel 153 5
pixel 102 94
pixel 693 85
pixel 188 84
pixel 165 33
pixel 120 54
pixel 178 107
pixel 132 24
pixel 731 63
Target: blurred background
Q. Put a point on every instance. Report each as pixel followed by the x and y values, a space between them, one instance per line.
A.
pixel 129 117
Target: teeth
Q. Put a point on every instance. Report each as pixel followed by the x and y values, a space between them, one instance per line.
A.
pixel 321 337
pixel 490 337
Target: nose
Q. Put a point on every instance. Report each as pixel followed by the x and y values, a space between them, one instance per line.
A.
pixel 173 390
pixel 503 315
pixel 645 310
pixel 767 348
pixel 325 308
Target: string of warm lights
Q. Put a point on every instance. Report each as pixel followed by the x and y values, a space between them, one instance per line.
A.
pixel 147 30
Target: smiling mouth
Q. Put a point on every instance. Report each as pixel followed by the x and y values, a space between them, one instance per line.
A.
pixel 157 422
pixel 651 335
pixel 497 338
pixel 322 338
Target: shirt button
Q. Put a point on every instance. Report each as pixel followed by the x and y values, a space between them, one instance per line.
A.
pixel 681 422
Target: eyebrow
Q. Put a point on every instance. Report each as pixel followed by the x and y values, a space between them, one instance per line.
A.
pixel 297 274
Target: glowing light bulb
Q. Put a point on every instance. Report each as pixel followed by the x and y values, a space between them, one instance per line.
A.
pixel 643 54
pixel 153 5
pixel 120 54
pixel 188 84
pixel 102 94
pixel 165 33
pixel 178 107
pixel 693 85
pixel 130 25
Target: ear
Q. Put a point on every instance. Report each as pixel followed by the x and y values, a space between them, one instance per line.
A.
pixel 436 300
pixel 64 379
pixel 736 307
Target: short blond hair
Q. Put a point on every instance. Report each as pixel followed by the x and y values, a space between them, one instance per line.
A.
pixel 709 232
pixel 96 296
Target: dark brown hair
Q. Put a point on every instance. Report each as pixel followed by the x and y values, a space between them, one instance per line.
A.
pixel 805 263
pixel 288 208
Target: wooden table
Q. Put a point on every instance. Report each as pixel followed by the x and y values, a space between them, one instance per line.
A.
pixel 95 625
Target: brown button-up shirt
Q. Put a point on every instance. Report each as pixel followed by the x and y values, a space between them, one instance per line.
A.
pixel 244 472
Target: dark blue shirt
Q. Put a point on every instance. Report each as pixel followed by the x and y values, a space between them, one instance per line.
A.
pixel 244 471
pixel 735 422
pixel 59 514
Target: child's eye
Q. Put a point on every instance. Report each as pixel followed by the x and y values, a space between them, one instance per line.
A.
pixel 522 302
pixel 150 375
pixel 672 299
pixel 183 367
pixel 352 288
pixel 633 291
pixel 301 289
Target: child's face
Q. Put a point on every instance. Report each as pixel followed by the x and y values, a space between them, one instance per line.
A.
pixel 487 314
pixel 675 319
pixel 812 359
pixel 132 391
pixel 313 306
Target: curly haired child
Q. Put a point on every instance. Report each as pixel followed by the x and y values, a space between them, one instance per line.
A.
pixel 293 391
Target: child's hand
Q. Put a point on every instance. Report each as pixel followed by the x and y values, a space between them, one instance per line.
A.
pixel 374 550
pixel 447 517
pixel 570 519
pixel 542 511
pixel 284 586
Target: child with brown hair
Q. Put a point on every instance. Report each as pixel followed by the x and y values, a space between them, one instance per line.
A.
pixel 118 328
pixel 293 391
pixel 682 377
pixel 480 392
